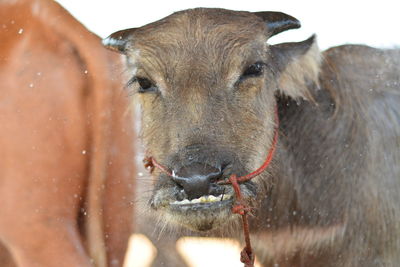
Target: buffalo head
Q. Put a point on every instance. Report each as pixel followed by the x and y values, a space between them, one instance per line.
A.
pixel 207 82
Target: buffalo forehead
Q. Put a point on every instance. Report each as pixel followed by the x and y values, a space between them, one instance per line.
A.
pixel 200 21
pixel 200 43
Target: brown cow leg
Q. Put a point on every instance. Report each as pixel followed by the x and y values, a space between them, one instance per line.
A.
pixel 118 212
pixel 119 186
pixel 5 257
pixel 48 245
pixel 37 219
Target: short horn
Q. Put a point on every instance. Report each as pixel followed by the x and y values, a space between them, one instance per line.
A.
pixel 278 22
pixel 118 41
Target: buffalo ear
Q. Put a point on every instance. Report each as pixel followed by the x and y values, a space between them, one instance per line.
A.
pixel 278 22
pixel 118 41
pixel 297 67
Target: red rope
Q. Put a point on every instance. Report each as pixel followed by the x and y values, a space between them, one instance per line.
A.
pixel 150 163
pixel 240 207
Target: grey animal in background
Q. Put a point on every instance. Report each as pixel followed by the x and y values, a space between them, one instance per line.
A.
pixel 208 83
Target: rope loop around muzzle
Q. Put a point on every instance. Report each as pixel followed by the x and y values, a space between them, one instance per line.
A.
pixel 240 207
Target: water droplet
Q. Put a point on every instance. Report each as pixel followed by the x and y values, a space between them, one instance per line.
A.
pixel 39 74
pixel 12 22
pixel 86 72
pixel 83 152
pixel 31 85
pixel 20 31
pixel 140 174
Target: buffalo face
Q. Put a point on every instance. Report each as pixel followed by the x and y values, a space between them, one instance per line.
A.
pixel 206 80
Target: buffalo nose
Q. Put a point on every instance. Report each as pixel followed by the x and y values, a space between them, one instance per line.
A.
pixel 197 179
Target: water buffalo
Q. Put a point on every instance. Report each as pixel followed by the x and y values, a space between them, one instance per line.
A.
pixel 209 84
pixel 66 168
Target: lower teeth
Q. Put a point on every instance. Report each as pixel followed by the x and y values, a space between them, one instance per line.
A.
pixel 203 199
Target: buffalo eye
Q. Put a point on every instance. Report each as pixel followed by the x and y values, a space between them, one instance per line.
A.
pixel 254 70
pixel 145 85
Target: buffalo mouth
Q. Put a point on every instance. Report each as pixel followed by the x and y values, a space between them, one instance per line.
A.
pixel 203 201
pixel 203 204
pixel 204 213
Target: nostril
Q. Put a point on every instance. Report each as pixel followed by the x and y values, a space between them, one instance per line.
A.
pixel 181 195
pixel 213 177
pixel 216 190
pixel 197 179
pixel 179 180
pixel 226 167
pixel 195 186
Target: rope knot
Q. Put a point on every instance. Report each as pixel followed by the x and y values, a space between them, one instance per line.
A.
pixel 247 257
pixel 239 209
pixel 148 164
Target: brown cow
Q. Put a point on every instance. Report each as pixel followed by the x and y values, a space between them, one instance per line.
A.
pixel 209 83
pixel 66 169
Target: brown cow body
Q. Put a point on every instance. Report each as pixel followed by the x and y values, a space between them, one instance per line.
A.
pixel 209 83
pixel 65 142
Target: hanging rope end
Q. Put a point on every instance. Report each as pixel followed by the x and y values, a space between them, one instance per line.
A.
pixel 247 257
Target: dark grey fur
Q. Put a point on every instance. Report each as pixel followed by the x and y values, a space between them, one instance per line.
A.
pixel 332 194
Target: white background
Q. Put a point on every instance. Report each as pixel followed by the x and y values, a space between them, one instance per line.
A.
pixel 376 23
